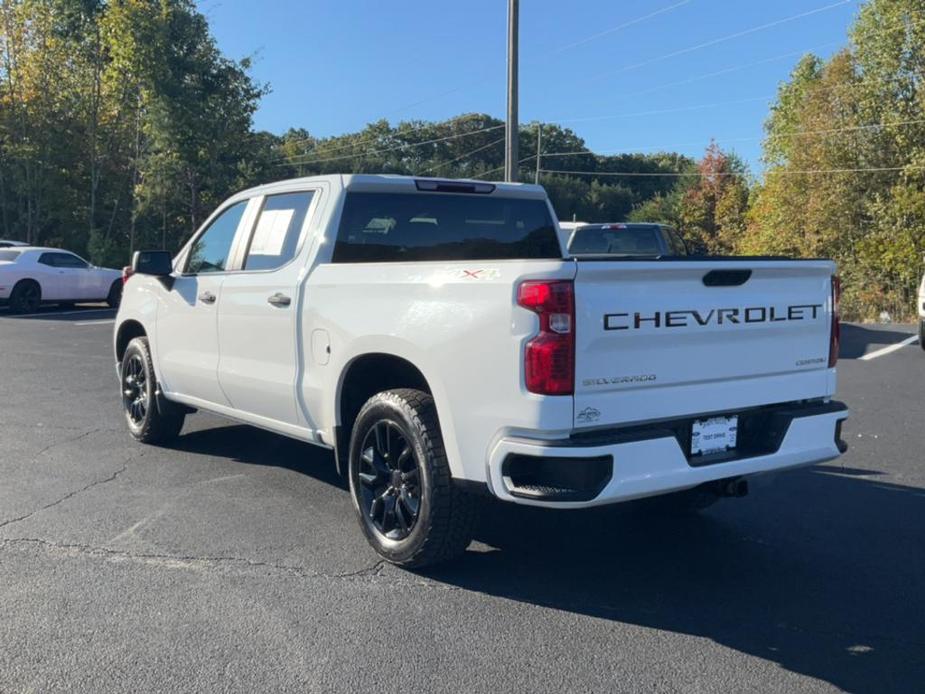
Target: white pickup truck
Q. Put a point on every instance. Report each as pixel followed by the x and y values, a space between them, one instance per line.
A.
pixel 433 334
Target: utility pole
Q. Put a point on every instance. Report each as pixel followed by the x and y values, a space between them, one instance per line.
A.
pixel 539 150
pixel 511 155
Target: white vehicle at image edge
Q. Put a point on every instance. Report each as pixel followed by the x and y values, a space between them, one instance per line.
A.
pixel 433 334
pixel 31 276
pixel 921 311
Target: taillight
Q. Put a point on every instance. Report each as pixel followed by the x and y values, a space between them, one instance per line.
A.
pixel 126 273
pixel 549 358
pixel 835 335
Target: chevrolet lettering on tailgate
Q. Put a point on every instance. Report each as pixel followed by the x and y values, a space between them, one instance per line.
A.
pixel 718 316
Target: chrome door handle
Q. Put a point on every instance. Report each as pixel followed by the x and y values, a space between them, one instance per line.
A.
pixel 280 300
pixel 207 298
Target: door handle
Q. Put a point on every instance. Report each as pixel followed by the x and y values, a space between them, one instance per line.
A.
pixel 280 300
pixel 207 298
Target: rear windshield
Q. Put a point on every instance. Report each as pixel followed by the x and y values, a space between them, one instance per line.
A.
pixel 8 256
pixel 628 241
pixel 396 227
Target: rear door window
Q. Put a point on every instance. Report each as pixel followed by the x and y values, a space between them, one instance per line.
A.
pixel 396 227
pixel 276 235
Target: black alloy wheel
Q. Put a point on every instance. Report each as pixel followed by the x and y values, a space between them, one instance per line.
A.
pixel 135 396
pixel 390 480
pixel 408 505
pixel 150 417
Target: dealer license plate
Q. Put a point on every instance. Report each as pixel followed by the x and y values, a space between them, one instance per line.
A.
pixel 714 435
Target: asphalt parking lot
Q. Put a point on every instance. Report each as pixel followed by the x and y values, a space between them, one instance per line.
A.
pixel 233 562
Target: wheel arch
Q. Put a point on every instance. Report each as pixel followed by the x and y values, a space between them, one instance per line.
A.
pixel 128 331
pixel 361 378
pixel 27 280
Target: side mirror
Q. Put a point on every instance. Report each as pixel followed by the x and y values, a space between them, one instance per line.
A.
pixel 156 263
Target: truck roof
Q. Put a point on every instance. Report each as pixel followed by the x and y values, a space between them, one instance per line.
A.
pixel 390 182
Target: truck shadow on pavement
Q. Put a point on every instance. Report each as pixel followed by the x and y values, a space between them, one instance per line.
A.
pixel 245 444
pixel 822 575
pixel 820 572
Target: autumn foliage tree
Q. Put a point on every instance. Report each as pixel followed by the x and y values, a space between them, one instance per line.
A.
pixel 845 151
pixel 713 208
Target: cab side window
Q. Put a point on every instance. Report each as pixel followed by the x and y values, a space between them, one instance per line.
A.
pixel 675 242
pixel 275 239
pixel 212 250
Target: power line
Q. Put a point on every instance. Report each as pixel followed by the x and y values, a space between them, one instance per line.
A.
pixel 292 160
pixel 732 68
pixel 627 68
pixel 462 156
pixel 826 131
pixel 501 168
pixel 795 133
pixel 369 139
pixel 656 112
pixel 557 51
pixel 722 39
pixel 619 27
pixel 289 162
pixel 485 173
pixel 679 174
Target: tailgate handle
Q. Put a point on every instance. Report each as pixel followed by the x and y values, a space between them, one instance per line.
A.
pixel 726 278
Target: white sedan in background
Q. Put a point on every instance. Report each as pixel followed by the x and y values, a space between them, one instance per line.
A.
pixel 921 308
pixel 31 276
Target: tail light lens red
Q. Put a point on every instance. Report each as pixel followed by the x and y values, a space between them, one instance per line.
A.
pixel 835 337
pixel 549 358
pixel 126 273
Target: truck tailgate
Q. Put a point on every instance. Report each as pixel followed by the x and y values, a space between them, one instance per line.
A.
pixel 669 338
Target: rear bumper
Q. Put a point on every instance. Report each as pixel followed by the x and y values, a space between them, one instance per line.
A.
pixel 647 461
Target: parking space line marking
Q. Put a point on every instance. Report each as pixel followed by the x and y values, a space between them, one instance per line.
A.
pixel 889 350
pixel 95 322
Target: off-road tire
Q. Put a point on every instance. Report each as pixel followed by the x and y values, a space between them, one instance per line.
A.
pixel 162 420
pixel 447 515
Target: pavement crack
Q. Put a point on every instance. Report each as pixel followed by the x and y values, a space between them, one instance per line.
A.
pixel 375 571
pixel 72 494
pixel 205 562
pixel 71 439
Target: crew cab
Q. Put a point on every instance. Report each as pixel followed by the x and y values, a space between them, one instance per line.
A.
pixel 436 336
pixel 32 276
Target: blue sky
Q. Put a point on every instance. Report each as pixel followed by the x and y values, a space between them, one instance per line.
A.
pixel 334 66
